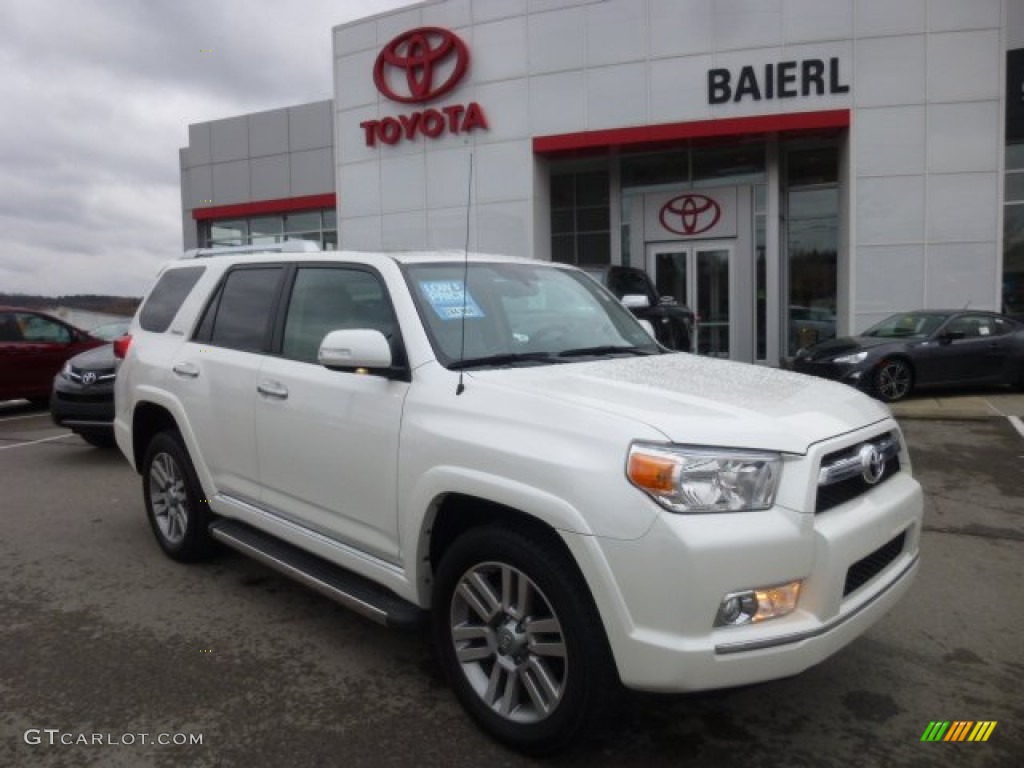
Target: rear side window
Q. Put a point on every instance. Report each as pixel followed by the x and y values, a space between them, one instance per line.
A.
pixel 243 313
pixel 167 296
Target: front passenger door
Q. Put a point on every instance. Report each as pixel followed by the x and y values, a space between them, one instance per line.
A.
pixel 328 440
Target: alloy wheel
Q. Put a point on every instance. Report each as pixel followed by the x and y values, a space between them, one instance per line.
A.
pixel 509 642
pixel 169 498
pixel 894 380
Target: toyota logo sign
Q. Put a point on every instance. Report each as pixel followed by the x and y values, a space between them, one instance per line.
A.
pixel 690 214
pixel 414 67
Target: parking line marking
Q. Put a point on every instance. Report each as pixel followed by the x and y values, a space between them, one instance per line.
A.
pixel 1017 424
pixel 34 442
pixel 26 416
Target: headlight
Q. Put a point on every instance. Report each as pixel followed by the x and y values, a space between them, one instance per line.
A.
pixel 854 358
pixel 694 480
pixel 66 370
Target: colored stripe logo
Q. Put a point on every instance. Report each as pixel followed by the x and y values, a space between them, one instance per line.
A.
pixel 958 730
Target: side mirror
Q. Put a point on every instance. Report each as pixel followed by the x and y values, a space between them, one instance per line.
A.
pixel 635 301
pixel 950 336
pixel 354 350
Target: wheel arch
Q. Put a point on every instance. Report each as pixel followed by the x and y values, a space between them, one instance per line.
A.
pixel 152 416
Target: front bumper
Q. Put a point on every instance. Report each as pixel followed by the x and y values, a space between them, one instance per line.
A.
pixel 856 375
pixel 82 407
pixel 659 595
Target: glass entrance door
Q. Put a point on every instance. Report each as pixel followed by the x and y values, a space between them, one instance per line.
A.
pixel 697 275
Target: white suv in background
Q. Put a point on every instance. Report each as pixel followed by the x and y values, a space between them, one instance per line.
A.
pixel 497 445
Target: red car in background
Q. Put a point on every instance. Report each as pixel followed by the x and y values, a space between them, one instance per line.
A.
pixel 33 348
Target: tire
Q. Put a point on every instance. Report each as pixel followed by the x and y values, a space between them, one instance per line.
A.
pixel 535 701
pixel 893 379
pixel 39 402
pixel 175 503
pixel 98 439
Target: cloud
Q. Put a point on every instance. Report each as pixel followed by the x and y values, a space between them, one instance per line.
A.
pixel 98 96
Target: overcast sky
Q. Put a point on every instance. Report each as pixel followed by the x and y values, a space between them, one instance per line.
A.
pixel 95 100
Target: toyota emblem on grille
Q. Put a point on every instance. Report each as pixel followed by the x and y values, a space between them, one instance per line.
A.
pixel 88 378
pixel 872 464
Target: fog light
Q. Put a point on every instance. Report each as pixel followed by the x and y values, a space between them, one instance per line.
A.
pixel 758 604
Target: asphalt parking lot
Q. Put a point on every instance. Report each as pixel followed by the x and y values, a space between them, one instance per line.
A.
pixel 102 635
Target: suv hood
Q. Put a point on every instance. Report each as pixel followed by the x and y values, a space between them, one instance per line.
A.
pixel 702 401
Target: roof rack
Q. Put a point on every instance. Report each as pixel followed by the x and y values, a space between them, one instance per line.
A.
pixel 290 246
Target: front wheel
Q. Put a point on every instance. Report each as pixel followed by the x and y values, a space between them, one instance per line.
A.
pixel 893 380
pixel 520 640
pixel 175 503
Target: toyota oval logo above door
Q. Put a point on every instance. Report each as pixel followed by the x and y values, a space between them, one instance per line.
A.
pixel 421 65
pixel 690 214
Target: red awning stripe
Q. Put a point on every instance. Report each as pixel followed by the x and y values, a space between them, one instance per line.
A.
pixel 263 207
pixel 640 136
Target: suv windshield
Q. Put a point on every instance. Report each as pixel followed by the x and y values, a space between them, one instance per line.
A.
pixel 521 314
pixel 907 325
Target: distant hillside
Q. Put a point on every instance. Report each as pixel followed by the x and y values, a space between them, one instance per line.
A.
pixel 108 305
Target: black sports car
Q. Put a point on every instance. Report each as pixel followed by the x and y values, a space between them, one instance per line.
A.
pixel 922 349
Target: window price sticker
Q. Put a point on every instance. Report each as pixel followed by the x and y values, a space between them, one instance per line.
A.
pixel 446 297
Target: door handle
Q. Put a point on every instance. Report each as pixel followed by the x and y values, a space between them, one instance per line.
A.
pixel 188 370
pixel 272 389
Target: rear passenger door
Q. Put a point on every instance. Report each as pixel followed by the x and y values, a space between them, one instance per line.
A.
pixel 216 374
pixel 328 440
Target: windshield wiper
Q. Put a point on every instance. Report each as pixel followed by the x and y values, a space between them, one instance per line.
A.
pixel 507 358
pixel 607 349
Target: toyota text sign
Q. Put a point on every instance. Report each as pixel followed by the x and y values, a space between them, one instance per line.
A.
pixel 418 67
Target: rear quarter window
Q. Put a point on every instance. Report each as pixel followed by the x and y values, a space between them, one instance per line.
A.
pixel 167 296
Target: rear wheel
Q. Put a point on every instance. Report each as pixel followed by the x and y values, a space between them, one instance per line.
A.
pixel 893 379
pixel 520 640
pixel 175 503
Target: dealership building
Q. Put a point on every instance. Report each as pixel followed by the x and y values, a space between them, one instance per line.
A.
pixel 791 169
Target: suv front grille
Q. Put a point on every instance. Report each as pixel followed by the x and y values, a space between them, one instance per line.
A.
pixel 844 475
pixel 865 569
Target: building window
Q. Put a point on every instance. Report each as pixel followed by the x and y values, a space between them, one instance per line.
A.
pixel 1013 231
pixel 812 237
pixel 320 227
pixel 761 270
pixel 580 218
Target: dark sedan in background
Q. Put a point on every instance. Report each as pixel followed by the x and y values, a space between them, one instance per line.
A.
pixel 83 392
pixel 33 347
pixel 927 348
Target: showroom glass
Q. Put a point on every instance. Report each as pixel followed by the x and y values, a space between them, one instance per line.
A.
pixel 580 217
pixel 327 299
pixel 812 237
pixel 518 309
pixel 696 166
pixel 1013 231
pixel 318 226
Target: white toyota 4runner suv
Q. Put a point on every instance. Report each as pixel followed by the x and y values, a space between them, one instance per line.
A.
pixel 496 444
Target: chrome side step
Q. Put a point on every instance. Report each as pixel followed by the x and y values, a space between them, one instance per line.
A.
pixel 349 589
